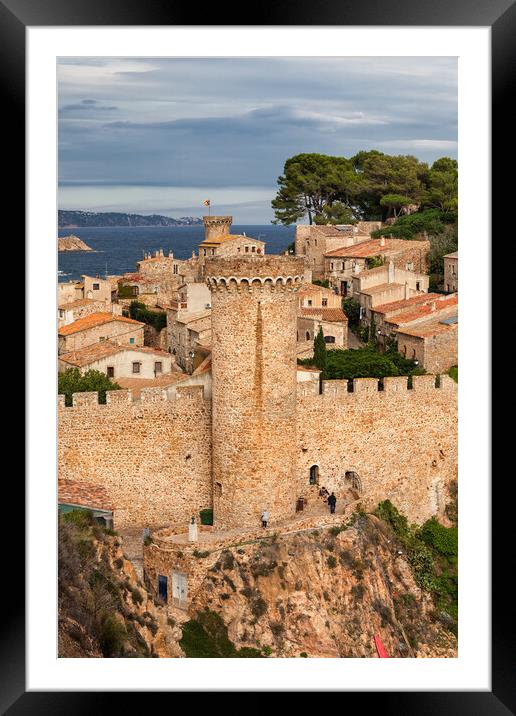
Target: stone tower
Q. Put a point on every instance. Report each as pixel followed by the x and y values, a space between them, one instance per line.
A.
pixel 215 226
pixel 254 309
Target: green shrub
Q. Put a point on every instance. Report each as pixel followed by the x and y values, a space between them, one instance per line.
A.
pixel 112 636
pixel 72 381
pixel 331 562
pixel 139 312
pixel 136 596
pixel 266 650
pixel 303 655
pixel 79 518
pixel 443 539
pixel 207 637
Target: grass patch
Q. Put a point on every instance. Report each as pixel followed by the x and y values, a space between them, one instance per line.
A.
pixel 207 638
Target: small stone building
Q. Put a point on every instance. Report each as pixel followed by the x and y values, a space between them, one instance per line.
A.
pixel 99 327
pixel 341 264
pixel 433 343
pixel 118 361
pixel 451 272
pixel 74 495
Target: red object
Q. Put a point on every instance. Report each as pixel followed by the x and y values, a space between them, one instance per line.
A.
pixel 382 654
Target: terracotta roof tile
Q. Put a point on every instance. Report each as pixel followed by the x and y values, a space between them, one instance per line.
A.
pixel 417 312
pixel 373 247
pixel 103 349
pixel 84 494
pixel 406 302
pixel 94 319
pixel 325 314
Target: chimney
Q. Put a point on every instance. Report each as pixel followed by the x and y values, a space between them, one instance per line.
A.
pixel 390 273
pixel 433 306
pixel 382 241
pixel 406 290
pixel 193 534
pixel 170 254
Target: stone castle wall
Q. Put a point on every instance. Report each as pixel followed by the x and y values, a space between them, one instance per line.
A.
pixel 153 455
pixel 401 443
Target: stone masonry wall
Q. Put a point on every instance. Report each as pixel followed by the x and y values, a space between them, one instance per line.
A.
pixel 254 308
pixel 153 456
pixel 401 443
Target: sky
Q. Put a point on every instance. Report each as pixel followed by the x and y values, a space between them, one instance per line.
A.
pixel 160 135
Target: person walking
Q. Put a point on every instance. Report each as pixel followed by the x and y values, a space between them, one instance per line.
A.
pixel 265 518
pixel 332 501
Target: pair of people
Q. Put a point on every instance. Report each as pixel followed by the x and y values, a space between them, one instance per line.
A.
pixel 330 499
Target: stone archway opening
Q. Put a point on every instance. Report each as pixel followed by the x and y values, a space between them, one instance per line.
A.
pixel 353 483
pixel 314 475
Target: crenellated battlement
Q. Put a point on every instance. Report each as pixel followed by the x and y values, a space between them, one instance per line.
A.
pixel 377 386
pixel 254 272
pixel 126 397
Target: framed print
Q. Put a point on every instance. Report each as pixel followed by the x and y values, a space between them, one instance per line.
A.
pixel 261 449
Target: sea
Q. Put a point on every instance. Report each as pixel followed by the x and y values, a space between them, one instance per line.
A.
pixel 117 249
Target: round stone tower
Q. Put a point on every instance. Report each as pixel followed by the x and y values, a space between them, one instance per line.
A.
pixel 254 316
pixel 215 226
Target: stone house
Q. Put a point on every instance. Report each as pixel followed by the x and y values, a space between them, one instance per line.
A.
pixel 313 296
pixel 188 336
pixel 118 361
pixel 99 327
pixel 451 272
pixel 72 311
pixel 433 343
pixel 91 288
pixel 389 319
pixel 333 322
pixel 313 242
pixel 342 264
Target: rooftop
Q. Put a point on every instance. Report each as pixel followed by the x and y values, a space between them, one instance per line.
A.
pixel 373 247
pixel 78 303
pixel 454 255
pixel 103 349
pixel 430 328
pixel 162 381
pixel 315 289
pixel 425 309
pixel 325 314
pixel 395 306
pixel 216 240
pixel 93 320
pixel 83 494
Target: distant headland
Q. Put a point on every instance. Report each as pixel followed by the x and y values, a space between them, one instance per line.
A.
pixel 79 219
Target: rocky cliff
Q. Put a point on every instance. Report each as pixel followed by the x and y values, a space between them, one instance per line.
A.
pixel 104 610
pixel 321 593
pixel 72 243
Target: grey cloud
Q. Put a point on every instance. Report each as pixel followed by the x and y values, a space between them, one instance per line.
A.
pixel 227 122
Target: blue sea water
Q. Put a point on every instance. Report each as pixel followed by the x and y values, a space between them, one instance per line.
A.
pixel 116 250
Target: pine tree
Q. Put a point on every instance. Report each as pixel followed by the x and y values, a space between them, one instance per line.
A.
pixel 320 350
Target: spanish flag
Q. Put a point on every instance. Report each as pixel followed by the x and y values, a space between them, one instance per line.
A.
pixel 206 202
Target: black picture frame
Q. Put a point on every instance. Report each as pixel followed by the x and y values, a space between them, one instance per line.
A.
pixel 500 16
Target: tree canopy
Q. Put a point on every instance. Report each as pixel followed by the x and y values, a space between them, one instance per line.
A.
pixel 339 190
pixel 72 381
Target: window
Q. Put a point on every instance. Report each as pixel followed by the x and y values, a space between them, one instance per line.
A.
pixel 175 268
pixel 131 341
pixel 417 285
pixel 308 335
pixel 247 249
pixel 61 313
pixel 110 371
pixel 314 475
pixel 102 338
pixel 204 252
pixel 410 266
pixel 325 302
pixel 309 301
pixel 213 252
pixel 158 367
pixel 331 267
pixel 253 249
pixel 96 286
pixel 329 339
pixel 136 367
